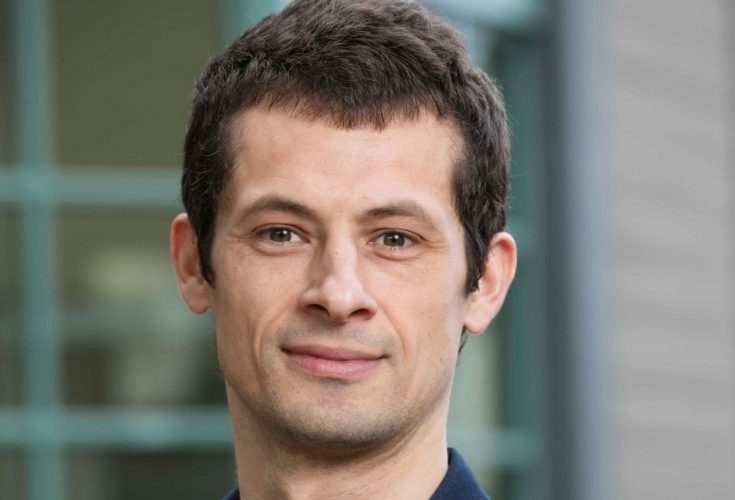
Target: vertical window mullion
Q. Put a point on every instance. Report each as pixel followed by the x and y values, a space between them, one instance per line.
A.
pixel 38 245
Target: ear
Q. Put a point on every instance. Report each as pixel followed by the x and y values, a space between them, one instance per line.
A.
pixel 193 288
pixel 484 303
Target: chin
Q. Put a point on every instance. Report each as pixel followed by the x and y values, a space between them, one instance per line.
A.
pixel 339 435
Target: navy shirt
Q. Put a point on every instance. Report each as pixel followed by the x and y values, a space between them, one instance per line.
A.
pixel 458 483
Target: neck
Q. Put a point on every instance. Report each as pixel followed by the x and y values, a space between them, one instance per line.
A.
pixel 411 466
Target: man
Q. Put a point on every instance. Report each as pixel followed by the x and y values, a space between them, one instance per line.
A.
pixel 345 180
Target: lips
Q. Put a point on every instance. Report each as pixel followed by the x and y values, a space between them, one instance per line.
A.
pixel 333 362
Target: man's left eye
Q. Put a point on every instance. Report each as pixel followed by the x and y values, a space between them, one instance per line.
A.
pixel 395 240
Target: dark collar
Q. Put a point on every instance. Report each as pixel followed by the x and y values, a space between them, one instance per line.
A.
pixel 458 483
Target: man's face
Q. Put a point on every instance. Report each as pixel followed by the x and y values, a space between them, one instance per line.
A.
pixel 339 271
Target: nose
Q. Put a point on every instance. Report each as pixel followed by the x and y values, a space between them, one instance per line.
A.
pixel 336 291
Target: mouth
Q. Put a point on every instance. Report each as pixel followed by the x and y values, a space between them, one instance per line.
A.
pixel 333 362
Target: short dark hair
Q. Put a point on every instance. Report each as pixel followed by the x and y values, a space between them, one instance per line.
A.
pixel 355 64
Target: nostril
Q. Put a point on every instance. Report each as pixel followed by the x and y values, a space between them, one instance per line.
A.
pixel 362 313
pixel 318 308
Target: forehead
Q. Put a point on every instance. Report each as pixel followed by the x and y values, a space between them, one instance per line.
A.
pixel 274 149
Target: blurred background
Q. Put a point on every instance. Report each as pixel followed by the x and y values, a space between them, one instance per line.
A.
pixel 609 373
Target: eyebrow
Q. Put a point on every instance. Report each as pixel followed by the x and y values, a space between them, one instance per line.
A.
pixel 273 203
pixel 408 209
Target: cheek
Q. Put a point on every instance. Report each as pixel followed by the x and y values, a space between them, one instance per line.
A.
pixel 429 332
pixel 252 284
pixel 248 300
pixel 426 312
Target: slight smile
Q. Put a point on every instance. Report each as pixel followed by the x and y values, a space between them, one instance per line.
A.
pixel 333 362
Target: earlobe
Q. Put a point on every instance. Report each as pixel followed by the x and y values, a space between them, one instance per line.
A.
pixel 485 302
pixel 193 288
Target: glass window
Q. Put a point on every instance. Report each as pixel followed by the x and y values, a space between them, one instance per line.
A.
pixel 10 350
pixel 6 85
pixel 476 408
pixel 122 475
pixel 12 472
pixel 476 397
pixel 124 74
pixel 128 337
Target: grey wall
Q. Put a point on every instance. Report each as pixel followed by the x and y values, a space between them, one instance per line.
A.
pixel 672 118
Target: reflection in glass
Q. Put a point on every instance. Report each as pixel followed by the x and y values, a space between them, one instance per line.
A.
pixel 476 398
pixel 149 476
pixel 9 339
pixel 124 74
pixel 128 337
pixel 499 484
pixel 12 472
pixel 476 409
pixel 6 86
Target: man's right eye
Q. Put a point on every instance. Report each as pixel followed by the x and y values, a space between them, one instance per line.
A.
pixel 282 235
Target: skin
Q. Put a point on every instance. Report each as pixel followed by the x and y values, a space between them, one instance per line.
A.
pixel 339 304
